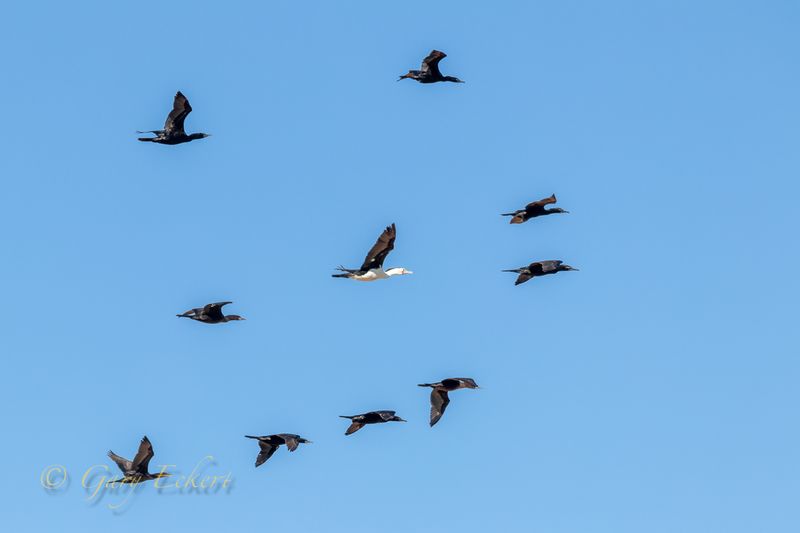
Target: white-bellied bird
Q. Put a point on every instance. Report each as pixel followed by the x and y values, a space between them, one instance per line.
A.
pixel 372 268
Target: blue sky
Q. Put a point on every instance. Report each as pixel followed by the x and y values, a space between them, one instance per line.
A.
pixel 655 390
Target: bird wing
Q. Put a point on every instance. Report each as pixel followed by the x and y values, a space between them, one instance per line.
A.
pixel 291 441
pixel 519 217
pixel 381 249
pixel 122 463
pixel 538 204
pixel 143 456
pixel 355 426
pixel 180 110
pixel 439 401
pixel 266 452
pixel 545 266
pixel 214 311
pixel 523 277
pixel 192 312
pixel 431 63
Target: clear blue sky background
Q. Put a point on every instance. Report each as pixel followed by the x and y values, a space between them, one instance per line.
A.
pixel 655 390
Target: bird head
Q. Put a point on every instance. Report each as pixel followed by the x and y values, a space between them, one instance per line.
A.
pixel 234 317
pixel 398 271
pixel 558 210
pixel 397 419
pixel 470 383
pixel 453 79
pixel 567 267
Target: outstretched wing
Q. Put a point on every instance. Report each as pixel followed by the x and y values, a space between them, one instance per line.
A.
pixel 291 441
pixel 180 110
pixel 544 267
pixel 122 463
pixel 539 204
pixel 381 249
pixel 431 63
pixel 355 426
pixel 192 312
pixel 439 401
pixel 214 311
pixel 523 277
pixel 143 456
pixel 266 452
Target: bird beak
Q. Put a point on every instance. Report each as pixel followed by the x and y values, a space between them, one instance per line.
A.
pixel 401 420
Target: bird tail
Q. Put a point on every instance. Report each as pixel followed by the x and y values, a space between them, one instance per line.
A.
pixel 146 139
pixel 345 416
pixel 515 271
pixel 346 272
pixel 507 214
pixel 425 385
pixel 251 437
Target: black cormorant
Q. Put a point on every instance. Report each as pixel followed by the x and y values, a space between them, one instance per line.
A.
pixel 539 268
pixel 429 71
pixel 136 470
pixel 373 417
pixel 439 398
pixel 270 443
pixel 210 314
pixel 533 210
pixel 173 132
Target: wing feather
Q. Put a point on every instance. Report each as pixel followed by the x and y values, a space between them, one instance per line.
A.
pixel 380 249
pixel 266 452
pixel 176 117
pixel 431 63
pixel 122 463
pixel 439 401
pixel 355 426
pixel 214 311
pixel 539 204
pixel 142 460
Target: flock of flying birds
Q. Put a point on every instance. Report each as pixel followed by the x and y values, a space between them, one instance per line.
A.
pixel 370 270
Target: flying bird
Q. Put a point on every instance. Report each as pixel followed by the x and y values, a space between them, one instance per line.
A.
pixel 373 417
pixel 173 132
pixel 136 470
pixel 439 398
pixel 210 314
pixel 270 443
pixel 429 71
pixel 539 268
pixel 372 268
pixel 533 210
